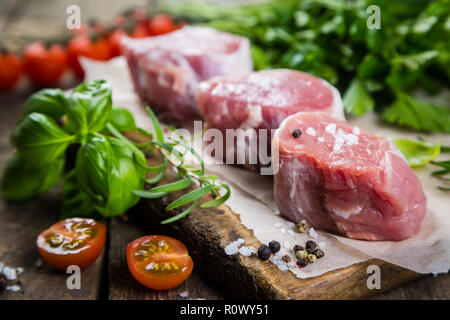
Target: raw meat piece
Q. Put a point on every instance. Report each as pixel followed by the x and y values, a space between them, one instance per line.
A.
pixel 261 100
pixel 344 180
pixel 166 69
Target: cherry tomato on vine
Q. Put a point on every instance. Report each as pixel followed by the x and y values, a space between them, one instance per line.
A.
pixel 159 262
pixel 140 30
pixel 74 241
pixel 161 24
pixel 10 70
pixel 45 64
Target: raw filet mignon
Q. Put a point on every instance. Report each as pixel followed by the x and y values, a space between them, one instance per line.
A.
pixel 261 100
pixel 344 180
pixel 166 69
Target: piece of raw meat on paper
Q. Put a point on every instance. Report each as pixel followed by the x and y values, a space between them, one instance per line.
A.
pixel 167 69
pixel 344 180
pixel 262 100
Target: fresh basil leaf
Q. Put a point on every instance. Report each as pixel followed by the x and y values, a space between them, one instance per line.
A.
pixel 21 181
pixel 417 114
pixel 107 171
pixel 51 102
pixel 417 153
pixel 89 107
pixel 75 202
pixel 122 119
pixel 357 100
pixel 39 139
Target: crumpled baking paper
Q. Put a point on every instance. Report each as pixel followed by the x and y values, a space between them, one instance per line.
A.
pixel 252 199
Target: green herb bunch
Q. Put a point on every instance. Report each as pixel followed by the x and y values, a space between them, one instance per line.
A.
pixel 330 39
pixel 110 171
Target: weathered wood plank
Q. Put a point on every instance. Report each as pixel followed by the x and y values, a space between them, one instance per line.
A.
pixel 121 283
pixel 21 223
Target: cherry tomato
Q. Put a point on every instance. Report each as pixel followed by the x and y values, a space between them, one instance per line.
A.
pixel 82 45
pixel 161 24
pixel 10 70
pixel 115 42
pixel 140 30
pixel 44 65
pixel 159 262
pixel 74 241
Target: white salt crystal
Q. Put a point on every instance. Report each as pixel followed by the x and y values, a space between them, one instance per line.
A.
pixel 10 273
pixel 311 132
pixel 278 255
pixel 291 264
pixel 252 249
pixel 231 249
pixel 14 288
pixel 19 270
pixel 331 128
pixel 184 294
pixel 313 233
pixel 245 251
pixel 283 268
pixel 240 241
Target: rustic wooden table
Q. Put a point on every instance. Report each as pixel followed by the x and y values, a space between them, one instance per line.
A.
pixel 108 278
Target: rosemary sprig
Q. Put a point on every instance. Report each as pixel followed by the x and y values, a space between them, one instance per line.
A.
pixel 187 174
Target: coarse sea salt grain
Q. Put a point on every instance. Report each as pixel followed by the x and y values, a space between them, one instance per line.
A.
pixel 10 273
pixel 231 249
pixel 311 132
pixel 313 233
pixel 331 128
pixel 290 264
pixel 13 288
pixel 245 251
pixel 184 294
pixel 19 270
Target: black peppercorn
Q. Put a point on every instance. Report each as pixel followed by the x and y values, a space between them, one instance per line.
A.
pixel 298 248
pixel 274 246
pixel 297 133
pixel 264 252
pixel 319 253
pixel 310 246
pixel 303 262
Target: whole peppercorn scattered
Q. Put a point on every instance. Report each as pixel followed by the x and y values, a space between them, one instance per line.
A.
pixel 298 248
pixel 274 246
pixel 286 258
pixel 303 262
pixel 319 253
pixel 264 252
pixel 297 133
pixel 3 283
pixel 300 227
pixel 312 258
pixel 301 254
pixel 310 246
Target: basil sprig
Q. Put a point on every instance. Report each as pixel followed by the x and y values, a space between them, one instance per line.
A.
pixel 110 171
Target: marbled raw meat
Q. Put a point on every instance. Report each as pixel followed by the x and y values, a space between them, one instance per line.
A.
pixel 344 180
pixel 167 69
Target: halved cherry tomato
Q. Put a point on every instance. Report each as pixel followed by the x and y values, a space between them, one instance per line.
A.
pixel 74 241
pixel 44 65
pixel 159 262
pixel 10 70
pixel 82 45
pixel 161 24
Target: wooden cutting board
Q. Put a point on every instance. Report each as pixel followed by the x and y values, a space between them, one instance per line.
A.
pixel 206 232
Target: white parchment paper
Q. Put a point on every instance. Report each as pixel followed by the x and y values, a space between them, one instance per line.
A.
pixel 252 199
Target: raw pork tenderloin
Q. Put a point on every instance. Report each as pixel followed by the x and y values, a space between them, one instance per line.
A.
pixel 167 69
pixel 344 180
pixel 262 100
